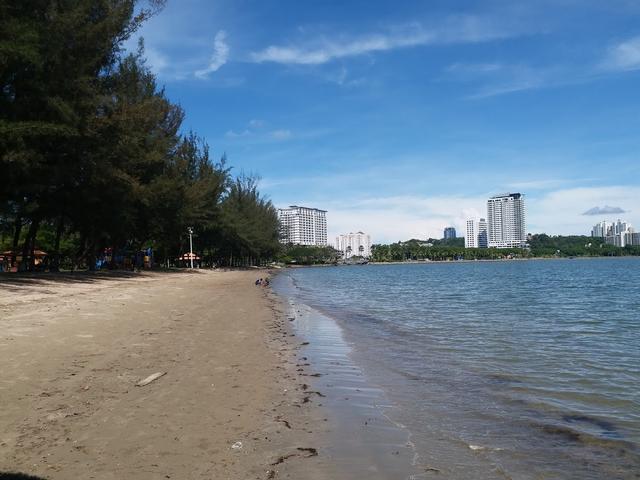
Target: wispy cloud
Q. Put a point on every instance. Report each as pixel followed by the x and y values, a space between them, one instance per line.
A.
pixel 234 134
pixel 560 211
pixel 462 29
pixel 543 184
pixel 606 210
pixel 259 130
pixel 493 79
pixel 155 60
pixel 280 134
pixel 218 58
pixel 623 56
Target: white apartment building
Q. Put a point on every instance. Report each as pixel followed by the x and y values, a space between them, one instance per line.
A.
pixel 600 229
pixel 303 225
pixel 471 236
pixel 506 218
pixel 476 235
pixel 354 244
pixel 618 233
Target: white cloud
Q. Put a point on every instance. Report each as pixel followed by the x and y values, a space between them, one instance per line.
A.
pixel 280 134
pixel 218 58
pixel 493 79
pixel 156 61
pixel 623 56
pixel 393 218
pixel 464 29
pixel 561 212
pixel 234 134
pixel 389 219
pixel 255 129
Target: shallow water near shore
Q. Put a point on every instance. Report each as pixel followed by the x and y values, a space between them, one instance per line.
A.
pixel 362 438
pixel 520 370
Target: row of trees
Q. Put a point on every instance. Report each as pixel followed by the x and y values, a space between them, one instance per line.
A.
pixel 91 149
pixel 416 250
pixel 543 245
pixel 309 255
pixel 539 246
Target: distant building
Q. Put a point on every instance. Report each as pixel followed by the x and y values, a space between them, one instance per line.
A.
pixel 471 235
pixel 483 238
pixel 618 233
pixel 476 235
pixel 449 232
pixel 303 225
pixel 506 221
pixel 354 244
pixel 600 229
pixel 631 238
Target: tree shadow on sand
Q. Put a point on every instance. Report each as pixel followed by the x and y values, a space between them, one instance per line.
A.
pixel 18 476
pixel 17 280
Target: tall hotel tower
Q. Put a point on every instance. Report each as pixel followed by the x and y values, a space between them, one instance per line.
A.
pixel 506 217
pixel 303 225
pixel 476 234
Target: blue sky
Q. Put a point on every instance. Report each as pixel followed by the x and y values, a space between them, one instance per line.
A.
pixel 401 118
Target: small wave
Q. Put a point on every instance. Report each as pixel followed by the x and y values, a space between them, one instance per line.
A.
pixel 575 436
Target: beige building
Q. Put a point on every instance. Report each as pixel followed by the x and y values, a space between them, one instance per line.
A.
pixel 354 244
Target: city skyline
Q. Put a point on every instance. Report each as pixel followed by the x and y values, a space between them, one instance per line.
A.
pixel 408 118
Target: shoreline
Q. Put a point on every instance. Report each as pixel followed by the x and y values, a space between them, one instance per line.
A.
pixel 427 262
pixel 230 402
pixel 496 430
pixel 360 439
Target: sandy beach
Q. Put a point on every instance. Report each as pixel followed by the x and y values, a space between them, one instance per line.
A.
pixel 232 402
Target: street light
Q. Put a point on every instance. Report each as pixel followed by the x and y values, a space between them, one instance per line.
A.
pixel 190 230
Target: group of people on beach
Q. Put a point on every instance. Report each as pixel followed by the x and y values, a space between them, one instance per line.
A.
pixel 263 281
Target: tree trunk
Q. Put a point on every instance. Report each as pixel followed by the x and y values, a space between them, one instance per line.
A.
pixel 29 246
pixel 16 239
pixel 55 266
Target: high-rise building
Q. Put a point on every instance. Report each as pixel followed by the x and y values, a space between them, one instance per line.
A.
pixel 303 225
pixel 600 229
pixel 618 233
pixel 506 216
pixel 449 232
pixel 354 244
pixel 471 236
pixel 476 236
pixel 620 227
pixel 483 239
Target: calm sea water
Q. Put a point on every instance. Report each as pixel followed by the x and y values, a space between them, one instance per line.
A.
pixel 514 369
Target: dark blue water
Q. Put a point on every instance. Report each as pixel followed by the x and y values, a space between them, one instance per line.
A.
pixel 524 369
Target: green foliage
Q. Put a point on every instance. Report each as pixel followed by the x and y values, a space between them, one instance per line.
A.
pixel 543 245
pixel 540 246
pixel 91 150
pixel 417 250
pixel 308 255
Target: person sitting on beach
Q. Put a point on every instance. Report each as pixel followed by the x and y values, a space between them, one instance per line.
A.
pixel 259 281
pixel 265 282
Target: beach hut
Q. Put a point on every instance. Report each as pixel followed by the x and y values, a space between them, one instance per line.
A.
pixel 185 260
pixel 6 256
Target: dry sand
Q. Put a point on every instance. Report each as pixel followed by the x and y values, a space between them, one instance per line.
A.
pixel 73 347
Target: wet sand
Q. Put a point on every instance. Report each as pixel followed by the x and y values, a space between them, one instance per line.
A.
pixel 233 403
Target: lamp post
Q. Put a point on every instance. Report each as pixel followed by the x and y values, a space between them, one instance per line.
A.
pixel 190 230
